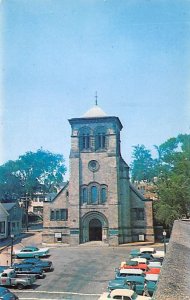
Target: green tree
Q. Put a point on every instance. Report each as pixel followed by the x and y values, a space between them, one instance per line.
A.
pixel 173 185
pixel 142 167
pixel 33 171
pixel 171 167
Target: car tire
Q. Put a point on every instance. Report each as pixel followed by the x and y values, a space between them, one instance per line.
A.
pixel 20 286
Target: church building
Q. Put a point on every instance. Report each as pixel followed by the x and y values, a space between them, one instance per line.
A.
pixel 98 203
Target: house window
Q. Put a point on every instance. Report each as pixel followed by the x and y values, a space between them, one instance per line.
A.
pixel 138 213
pixel 64 214
pixel 2 227
pixel 85 141
pixel 84 195
pixel 52 215
pixel 85 137
pixel 94 194
pixel 103 194
pixel 101 141
pixel 100 138
pixel 59 215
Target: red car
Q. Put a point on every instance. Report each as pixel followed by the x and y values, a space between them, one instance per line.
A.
pixel 153 271
pixel 134 265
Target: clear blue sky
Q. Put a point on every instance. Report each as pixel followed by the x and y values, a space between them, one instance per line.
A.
pixel 57 53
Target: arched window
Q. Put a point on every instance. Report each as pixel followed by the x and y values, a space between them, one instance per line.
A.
pixel 100 138
pixel 85 141
pixel 103 194
pixel 94 194
pixel 85 138
pixel 101 141
pixel 84 195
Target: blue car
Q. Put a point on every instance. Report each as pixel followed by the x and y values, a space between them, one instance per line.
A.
pixel 28 269
pixel 5 294
pixel 45 265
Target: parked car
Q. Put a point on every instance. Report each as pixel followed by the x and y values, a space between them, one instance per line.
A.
pixel 2 268
pixel 135 283
pixel 146 250
pixel 133 265
pixel 31 252
pixel 9 278
pixel 28 269
pixel 123 295
pixel 150 284
pixel 154 264
pixel 140 260
pixel 5 294
pixel 123 273
pixel 159 259
pixel 153 271
pixel 45 265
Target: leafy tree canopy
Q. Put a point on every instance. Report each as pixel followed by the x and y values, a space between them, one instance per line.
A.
pixel 34 171
pixel 142 166
pixel 171 167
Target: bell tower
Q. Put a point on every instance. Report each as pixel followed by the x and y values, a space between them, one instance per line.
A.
pixel 94 176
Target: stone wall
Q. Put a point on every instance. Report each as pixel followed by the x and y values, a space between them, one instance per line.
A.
pixel 174 282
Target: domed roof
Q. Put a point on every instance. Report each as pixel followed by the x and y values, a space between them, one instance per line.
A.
pixel 95 112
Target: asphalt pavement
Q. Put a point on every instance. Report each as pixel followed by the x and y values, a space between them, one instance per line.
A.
pixel 80 272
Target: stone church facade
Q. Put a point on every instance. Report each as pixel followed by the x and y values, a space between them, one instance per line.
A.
pixel 98 203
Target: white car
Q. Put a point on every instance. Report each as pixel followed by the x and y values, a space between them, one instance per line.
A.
pixel 123 294
pixel 153 252
pixel 31 251
pixel 151 277
pixel 154 264
pixel 140 260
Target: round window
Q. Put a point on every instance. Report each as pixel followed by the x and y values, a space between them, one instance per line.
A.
pixel 93 165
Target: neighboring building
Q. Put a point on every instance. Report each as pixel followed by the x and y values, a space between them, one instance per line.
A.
pixel 3 222
pixel 35 205
pixel 148 189
pixel 98 202
pixel 14 213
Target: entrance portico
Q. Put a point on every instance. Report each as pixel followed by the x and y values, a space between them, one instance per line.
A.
pixel 94 227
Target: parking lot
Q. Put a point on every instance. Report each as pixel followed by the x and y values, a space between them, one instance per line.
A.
pixel 79 272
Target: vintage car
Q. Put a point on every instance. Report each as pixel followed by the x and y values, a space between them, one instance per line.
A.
pixel 154 264
pixel 135 283
pixel 5 294
pixel 45 265
pixel 153 271
pixel 2 268
pixel 150 284
pixel 30 251
pixel 123 295
pixel 140 260
pixel 9 278
pixel 147 250
pixel 28 269
pixel 133 265
pixel 122 273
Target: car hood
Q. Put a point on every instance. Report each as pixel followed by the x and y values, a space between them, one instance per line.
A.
pixel 116 283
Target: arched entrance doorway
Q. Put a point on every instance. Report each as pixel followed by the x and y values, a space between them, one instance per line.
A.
pixel 94 227
pixel 95 230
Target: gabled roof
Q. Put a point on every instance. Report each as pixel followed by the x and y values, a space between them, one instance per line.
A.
pixel 136 191
pixel 64 187
pixel 3 209
pixel 9 206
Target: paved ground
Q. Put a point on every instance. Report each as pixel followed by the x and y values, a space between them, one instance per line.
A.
pixel 80 273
